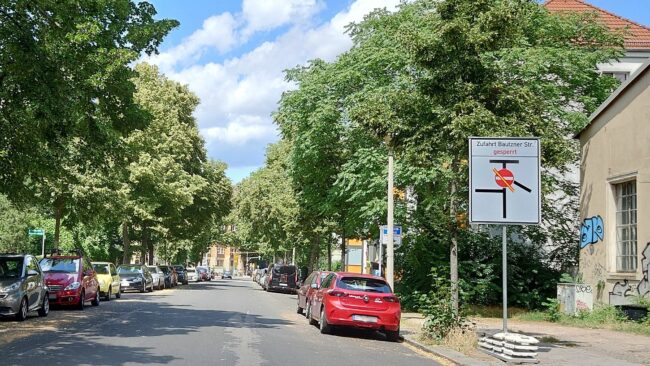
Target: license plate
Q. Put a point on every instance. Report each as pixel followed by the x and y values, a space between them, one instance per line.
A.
pixel 365 318
pixel 52 296
pixel 283 284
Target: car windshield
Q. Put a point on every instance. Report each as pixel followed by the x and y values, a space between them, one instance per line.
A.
pixel 153 269
pixel 62 265
pixel 363 284
pixel 284 270
pixel 190 270
pixel 101 268
pixel 164 270
pixel 179 268
pixel 202 270
pixel 129 270
pixel 11 267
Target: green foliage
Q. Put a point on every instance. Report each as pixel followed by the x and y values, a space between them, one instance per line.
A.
pixel 552 306
pixel 440 317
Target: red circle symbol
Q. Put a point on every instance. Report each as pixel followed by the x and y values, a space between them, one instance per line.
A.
pixel 504 178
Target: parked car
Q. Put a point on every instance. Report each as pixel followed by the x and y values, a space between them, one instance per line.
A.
pixel 109 280
pixel 203 274
pixel 171 278
pixel 281 277
pixel 262 278
pixel 226 274
pixel 191 275
pixel 135 277
pixel 22 287
pixel 158 277
pixel 182 275
pixel 71 280
pixel 356 300
pixel 309 286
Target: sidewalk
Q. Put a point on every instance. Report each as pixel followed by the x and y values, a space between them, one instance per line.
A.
pixel 560 345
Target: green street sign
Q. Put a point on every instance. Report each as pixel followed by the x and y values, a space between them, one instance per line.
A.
pixel 36 232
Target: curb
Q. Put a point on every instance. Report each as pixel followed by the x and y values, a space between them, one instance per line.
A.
pixel 448 354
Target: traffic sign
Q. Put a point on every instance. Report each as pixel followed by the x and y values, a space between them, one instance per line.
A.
pixel 36 232
pixel 504 180
pixel 397 235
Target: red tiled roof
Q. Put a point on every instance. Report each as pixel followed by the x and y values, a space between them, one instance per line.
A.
pixel 637 36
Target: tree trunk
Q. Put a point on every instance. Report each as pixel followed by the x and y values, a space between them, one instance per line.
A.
pixel 144 244
pixel 453 255
pixel 126 243
pixel 329 253
pixel 58 214
pixel 150 250
pixel 313 252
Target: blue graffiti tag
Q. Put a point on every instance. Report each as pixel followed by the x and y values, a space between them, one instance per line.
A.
pixel 592 231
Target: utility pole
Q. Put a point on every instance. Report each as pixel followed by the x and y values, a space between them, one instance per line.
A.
pixel 389 245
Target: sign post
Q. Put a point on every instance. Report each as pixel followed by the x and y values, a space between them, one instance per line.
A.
pixel 504 185
pixel 40 232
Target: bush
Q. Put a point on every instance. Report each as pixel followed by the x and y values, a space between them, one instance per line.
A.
pixel 440 317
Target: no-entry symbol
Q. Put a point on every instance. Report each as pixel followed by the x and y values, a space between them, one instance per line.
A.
pixel 504 178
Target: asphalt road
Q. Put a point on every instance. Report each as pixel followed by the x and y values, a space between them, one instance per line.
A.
pixel 230 322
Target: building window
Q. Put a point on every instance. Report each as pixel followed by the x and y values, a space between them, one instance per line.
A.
pixel 622 76
pixel 626 243
pixel 219 262
pixel 220 250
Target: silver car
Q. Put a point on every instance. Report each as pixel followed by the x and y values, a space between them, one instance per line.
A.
pixel 21 287
pixel 158 277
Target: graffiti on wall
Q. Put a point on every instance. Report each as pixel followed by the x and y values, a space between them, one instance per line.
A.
pixel 624 293
pixel 592 231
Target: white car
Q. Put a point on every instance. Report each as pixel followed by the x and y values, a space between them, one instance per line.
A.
pixel 158 277
pixel 191 274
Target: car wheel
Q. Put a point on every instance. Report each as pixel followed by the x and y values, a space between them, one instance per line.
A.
pixel 119 293
pixel 151 288
pixel 110 293
pixel 299 310
pixel 392 336
pixel 310 318
pixel 325 328
pixel 144 287
pixel 95 301
pixel 45 306
pixel 82 300
pixel 22 311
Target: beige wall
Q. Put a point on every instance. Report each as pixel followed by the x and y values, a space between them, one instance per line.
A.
pixel 616 148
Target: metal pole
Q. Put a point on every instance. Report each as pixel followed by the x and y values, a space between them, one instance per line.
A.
pixel 43 245
pixel 389 245
pixel 504 264
pixel 293 256
pixel 381 256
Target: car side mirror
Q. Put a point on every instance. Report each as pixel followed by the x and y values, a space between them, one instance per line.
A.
pixel 314 286
pixel 31 272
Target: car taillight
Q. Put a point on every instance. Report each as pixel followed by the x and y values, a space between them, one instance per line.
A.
pixel 391 299
pixel 337 293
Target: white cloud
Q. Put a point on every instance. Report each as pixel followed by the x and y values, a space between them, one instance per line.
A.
pixel 218 31
pixel 238 95
pixel 263 15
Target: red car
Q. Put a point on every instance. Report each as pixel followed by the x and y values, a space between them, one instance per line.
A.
pixel 356 300
pixel 71 280
pixel 308 288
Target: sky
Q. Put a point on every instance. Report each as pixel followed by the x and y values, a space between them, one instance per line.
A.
pixel 232 54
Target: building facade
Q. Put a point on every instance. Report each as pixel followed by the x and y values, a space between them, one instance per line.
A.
pixel 615 194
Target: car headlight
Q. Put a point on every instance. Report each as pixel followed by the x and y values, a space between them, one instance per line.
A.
pixel 73 286
pixel 139 279
pixel 12 287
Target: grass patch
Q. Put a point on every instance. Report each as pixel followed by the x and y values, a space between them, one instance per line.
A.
pixel 602 317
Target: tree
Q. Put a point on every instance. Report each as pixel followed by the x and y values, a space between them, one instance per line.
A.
pixel 66 91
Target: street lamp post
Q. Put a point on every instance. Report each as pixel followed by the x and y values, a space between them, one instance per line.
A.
pixel 389 245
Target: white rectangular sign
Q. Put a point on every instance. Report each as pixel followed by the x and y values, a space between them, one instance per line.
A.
pixel 504 181
pixel 397 235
